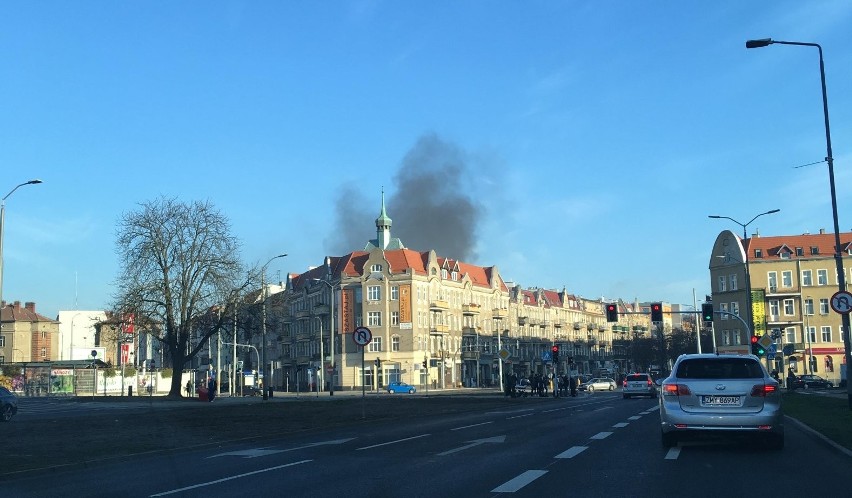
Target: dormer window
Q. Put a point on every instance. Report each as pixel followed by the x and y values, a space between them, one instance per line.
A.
pixel 376 268
pixel 800 251
pixel 444 274
pixel 784 254
pixel 758 253
pixel 455 276
pixel 814 250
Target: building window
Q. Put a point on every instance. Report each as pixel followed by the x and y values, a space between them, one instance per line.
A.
pixel 784 254
pixel 395 318
pixel 737 339
pixel 807 278
pixel 823 306
pixel 2 359
pixel 444 274
pixel 726 337
pixel 772 279
pixel 2 341
pixel 722 283
pixel 375 345
pixel 809 306
pixel 395 343
pixel 814 250
pixel 455 276
pixel 811 334
pixel 374 319
pixel 774 308
pixel 395 293
pixel 43 353
pixel 788 307
pixel 374 293
pixel 758 253
pixel 790 335
pixel 826 333
pixel 822 277
pixel 787 278
pixel 376 268
pixel 724 309
pixel 733 279
pixel 735 308
pixel 800 251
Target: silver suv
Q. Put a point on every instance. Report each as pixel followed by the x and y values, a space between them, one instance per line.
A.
pixel 638 384
pixel 721 394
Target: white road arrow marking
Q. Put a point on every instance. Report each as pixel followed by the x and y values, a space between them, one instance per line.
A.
pixel 259 452
pixel 476 442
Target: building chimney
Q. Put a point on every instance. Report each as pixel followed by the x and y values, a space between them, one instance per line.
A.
pixel 822 231
pixel 16 305
pixel 30 306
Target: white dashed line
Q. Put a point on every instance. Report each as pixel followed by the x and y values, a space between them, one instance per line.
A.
pixel 620 425
pixel 572 452
pixel 673 453
pixel 601 435
pixel 634 417
pixel 519 482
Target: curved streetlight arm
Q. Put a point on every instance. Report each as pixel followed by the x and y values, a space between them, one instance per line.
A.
pixel 3 225
pixel 31 182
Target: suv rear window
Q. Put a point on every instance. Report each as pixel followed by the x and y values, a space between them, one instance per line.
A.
pixel 719 368
pixel 637 377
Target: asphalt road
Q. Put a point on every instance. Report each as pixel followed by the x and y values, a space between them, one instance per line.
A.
pixel 593 445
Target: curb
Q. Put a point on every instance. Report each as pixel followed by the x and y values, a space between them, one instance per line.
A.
pixel 818 435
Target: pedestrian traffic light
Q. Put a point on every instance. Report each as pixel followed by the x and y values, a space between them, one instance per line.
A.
pixel 612 312
pixel 656 312
pixel 424 364
pixel 555 353
pixel 756 348
pixel 378 363
pixel 707 312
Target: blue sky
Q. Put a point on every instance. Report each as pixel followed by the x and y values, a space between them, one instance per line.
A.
pixel 587 141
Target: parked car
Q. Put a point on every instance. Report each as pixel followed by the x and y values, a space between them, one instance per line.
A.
pixel 810 381
pixel 8 404
pixel 400 387
pixel 721 394
pixel 638 384
pixel 252 391
pixel 598 384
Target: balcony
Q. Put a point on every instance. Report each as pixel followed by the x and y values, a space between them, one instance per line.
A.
pixel 321 309
pixel 558 324
pixel 439 305
pixel 440 328
pixel 544 323
pixel 471 309
pixel 303 314
pixel 499 313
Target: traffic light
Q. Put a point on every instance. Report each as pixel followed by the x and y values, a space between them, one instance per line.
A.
pixel 612 312
pixel 424 364
pixel 707 312
pixel 555 354
pixel 656 312
pixel 378 363
pixel 756 348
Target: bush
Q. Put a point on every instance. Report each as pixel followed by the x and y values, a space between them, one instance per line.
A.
pixel 129 371
pixel 166 373
pixel 109 372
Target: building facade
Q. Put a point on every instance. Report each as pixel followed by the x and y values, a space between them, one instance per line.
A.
pixel 25 335
pixel 792 279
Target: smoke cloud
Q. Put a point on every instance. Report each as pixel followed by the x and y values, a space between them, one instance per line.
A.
pixel 430 206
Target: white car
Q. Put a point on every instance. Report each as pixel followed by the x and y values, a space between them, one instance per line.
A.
pixel 638 384
pixel 598 384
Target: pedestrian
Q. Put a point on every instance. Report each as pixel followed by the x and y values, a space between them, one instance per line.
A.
pixel 188 387
pixel 211 389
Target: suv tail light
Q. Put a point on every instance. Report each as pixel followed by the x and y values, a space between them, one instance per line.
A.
pixel 763 390
pixel 676 390
pixel 650 383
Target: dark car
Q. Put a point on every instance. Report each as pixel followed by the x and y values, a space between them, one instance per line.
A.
pixel 8 404
pixel 809 381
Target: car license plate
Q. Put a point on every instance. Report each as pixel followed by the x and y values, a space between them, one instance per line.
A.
pixel 720 400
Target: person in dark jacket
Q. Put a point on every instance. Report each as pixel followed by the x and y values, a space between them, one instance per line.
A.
pixel 211 389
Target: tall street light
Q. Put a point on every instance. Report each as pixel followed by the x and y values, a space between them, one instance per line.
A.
pixel 263 320
pixel 747 273
pixel 838 257
pixel 3 225
pixel 331 334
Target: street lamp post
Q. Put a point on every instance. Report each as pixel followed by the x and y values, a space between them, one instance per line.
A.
pixel 747 272
pixel 838 257
pixel 331 335
pixel 3 225
pixel 266 387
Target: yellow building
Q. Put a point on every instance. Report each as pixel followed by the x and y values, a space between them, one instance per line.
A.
pixel 793 278
pixel 26 336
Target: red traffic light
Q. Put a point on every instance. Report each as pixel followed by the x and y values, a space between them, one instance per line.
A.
pixel 555 349
pixel 754 339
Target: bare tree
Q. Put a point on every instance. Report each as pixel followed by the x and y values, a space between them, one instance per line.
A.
pixel 181 273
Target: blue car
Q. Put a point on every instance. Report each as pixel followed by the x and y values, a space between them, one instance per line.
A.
pixel 400 387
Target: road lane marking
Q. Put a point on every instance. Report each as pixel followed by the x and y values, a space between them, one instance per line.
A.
pixel 601 435
pixel 392 442
pixel 620 425
pixel 519 416
pixel 634 417
pixel 469 426
pixel 519 482
pixel 238 476
pixel 673 453
pixel 477 442
pixel 258 452
pixel 572 452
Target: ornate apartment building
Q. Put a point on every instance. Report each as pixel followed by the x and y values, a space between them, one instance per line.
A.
pixel 792 280
pixel 435 322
